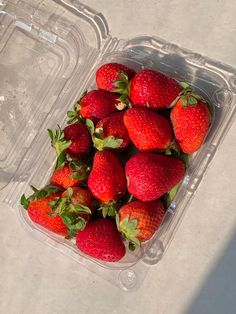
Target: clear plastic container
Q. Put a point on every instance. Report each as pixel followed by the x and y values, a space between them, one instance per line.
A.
pixel 49 52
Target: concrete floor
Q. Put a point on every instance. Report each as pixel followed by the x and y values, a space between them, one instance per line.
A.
pixel 197 275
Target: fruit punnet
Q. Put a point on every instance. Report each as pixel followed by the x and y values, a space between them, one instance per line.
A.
pixel 191 120
pixel 153 89
pixel 80 194
pixel 148 130
pixel 113 77
pixel 150 175
pixel 101 239
pixel 107 180
pixel 138 220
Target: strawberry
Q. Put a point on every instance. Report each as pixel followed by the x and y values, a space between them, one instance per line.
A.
pixel 113 76
pixel 81 196
pixel 75 207
pixel 151 175
pixel 97 104
pixel 153 89
pixel 75 140
pixel 191 120
pixel 39 211
pixel 107 180
pixel 69 175
pixel 111 132
pixel 81 142
pixel 101 239
pixel 138 220
pixel 148 130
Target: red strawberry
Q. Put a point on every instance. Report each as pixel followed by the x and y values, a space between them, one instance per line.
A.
pixel 148 130
pixel 138 220
pixel 112 132
pixel 101 239
pixel 153 89
pixel 98 104
pixel 75 207
pixel 110 76
pixel 107 179
pixel 68 175
pixel 151 175
pixel 39 211
pixel 191 123
pixel 81 142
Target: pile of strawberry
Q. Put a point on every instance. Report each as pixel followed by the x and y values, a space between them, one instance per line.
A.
pixel 119 160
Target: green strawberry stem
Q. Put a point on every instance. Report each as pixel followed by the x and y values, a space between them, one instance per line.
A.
pixel 99 142
pixel 108 209
pixel 128 228
pixel 80 170
pixel 38 194
pixel 173 148
pixel 187 96
pixel 169 196
pixel 131 197
pixel 69 212
pixel 59 143
pixel 123 88
pixel 122 85
pixel 73 114
pixel 57 140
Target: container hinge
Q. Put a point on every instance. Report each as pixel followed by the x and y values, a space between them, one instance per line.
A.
pixel 23 25
pixel 48 36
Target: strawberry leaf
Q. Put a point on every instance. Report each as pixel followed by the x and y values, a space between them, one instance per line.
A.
pixel 38 194
pixel 192 100
pixel 108 209
pixel 61 159
pixel 66 219
pixel 90 126
pixel 76 176
pixel 184 85
pixel 58 141
pixel 173 149
pixel 69 193
pixel 169 196
pixel 24 201
pixel 79 208
pixel 112 210
pixel 128 227
pixel 80 170
pixel 107 142
pixel 73 114
pixel 104 211
pixel 122 84
pixel 184 101
pixel 73 229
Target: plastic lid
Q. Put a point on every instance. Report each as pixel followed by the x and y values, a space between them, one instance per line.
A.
pixel 46 51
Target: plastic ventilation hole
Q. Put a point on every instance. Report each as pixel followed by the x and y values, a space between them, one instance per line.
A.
pixel 127 279
pixel 154 253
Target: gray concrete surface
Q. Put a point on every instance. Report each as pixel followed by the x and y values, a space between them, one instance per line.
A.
pixel 197 274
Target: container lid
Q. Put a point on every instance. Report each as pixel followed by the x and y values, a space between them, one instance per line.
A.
pixel 46 51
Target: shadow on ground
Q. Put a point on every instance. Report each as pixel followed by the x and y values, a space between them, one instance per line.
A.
pixel 217 295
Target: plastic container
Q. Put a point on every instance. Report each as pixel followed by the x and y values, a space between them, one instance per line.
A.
pixel 49 52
